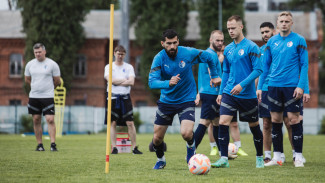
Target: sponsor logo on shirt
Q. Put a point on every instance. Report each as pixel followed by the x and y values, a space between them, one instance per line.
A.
pixel 289 44
pixel 45 66
pixel 123 70
pixel 241 52
pixel 166 65
pixel 276 44
pixel 182 64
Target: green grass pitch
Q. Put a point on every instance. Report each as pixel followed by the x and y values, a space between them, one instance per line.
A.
pixel 81 158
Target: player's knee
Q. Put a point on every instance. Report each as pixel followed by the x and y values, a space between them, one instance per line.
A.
pixel 187 135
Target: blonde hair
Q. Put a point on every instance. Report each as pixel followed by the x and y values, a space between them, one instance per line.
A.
pixel 285 13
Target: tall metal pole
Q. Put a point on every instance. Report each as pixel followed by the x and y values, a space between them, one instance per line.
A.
pixel 124 39
pixel 220 15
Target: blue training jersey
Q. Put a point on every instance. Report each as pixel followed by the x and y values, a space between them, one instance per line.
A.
pixel 241 66
pixel 204 75
pixel 163 68
pixel 266 82
pixel 286 61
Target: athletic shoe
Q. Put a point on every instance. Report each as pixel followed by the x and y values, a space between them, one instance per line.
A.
pixel 136 151
pixel 214 151
pixel 190 152
pixel 283 157
pixel 115 151
pixel 303 159
pixel 273 162
pixel 53 147
pixel 298 163
pixel 221 163
pixel 232 156
pixel 40 147
pixel 241 152
pixel 266 160
pixel 259 162
pixel 159 165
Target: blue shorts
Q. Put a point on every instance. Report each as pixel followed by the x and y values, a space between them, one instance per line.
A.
pixel 263 107
pixel 285 113
pixel 248 110
pixel 281 99
pixel 166 112
pixel 209 108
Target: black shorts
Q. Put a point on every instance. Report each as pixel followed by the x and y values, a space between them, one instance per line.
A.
pixel 122 110
pixel 41 105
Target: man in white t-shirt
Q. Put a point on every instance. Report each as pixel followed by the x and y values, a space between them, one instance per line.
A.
pixel 43 75
pixel 122 110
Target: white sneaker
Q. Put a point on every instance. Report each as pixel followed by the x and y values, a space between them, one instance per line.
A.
pixel 283 157
pixel 299 163
pixel 303 159
pixel 273 162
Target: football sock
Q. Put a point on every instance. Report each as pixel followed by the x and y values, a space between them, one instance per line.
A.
pixel 213 144
pixel 162 159
pixel 297 137
pixel 258 139
pixel 215 135
pixel 223 139
pixel 199 134
pixel 238 144
pixel 268 154
pixel 159 149
pixel 277 137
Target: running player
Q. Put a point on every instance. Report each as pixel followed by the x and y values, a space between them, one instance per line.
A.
pixel 237 92
pixel 171 71
pixel 285 59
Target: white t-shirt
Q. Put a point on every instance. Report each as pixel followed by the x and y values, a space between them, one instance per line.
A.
pixel 42 73
pixel 120 72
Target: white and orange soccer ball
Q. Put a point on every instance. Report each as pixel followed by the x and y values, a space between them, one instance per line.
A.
pixel 232 149
pixel 199 164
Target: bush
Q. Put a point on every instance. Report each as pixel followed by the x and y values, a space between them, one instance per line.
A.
pixel 26 123
pixel 137 121
pixel 322 127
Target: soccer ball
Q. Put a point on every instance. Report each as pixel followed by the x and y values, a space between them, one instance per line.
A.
pixel 232 149
pixel 199 164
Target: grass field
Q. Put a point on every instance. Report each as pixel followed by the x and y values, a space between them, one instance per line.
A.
pixel 81 158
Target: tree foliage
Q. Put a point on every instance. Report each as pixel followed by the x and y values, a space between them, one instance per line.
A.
pixel 56 24
pixel 209 18
pixel 152 17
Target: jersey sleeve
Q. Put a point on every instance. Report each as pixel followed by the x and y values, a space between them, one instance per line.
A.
pixel 266 60
pixel 155 79
pixel 27 73
pixel 254 57
pixel 206 57
pixel 56 70
pixel 106 71
pixel 131 71
pixel 303 54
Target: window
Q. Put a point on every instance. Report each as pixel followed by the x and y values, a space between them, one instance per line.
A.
pixel 252 6
pixel 14 102
pixel 15 64
pixel 137 65
pixel 79 68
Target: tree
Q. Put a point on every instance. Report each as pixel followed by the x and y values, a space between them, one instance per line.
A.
pixel 152 17
pixel 56 24
pixel 208 18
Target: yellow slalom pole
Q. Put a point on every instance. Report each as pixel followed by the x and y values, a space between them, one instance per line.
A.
pixel 109 100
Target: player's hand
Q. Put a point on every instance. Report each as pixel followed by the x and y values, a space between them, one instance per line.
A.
pixel 259 95
pixel 306 98
pixel 219 99
pixel 174 80
pixel 236 90
pixel 215 82
pixel 197 100
pixel 298 93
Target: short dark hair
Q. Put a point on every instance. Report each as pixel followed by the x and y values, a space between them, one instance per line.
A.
pixel 169 33
pixel 39 45
pixel 237 18
pixel 120 48
pixel 267 24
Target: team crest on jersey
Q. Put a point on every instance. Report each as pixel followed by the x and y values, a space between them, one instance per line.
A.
pixel 289 44
pixel 241 52
pixel 182 64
